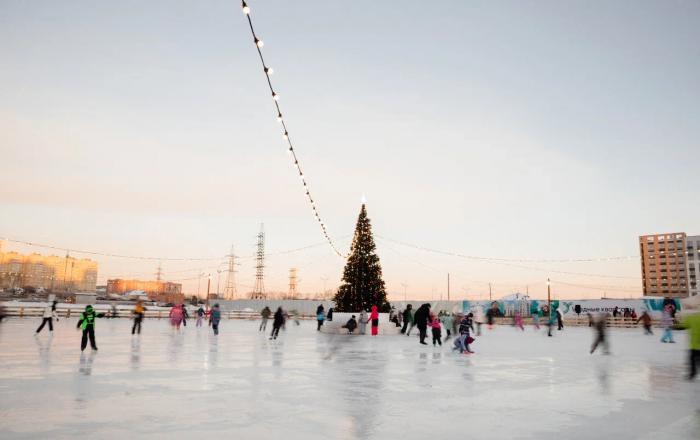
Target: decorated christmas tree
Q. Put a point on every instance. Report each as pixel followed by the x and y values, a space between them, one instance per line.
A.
pixel 363 286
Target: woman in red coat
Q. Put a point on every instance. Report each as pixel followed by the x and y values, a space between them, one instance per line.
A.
pixel 374 319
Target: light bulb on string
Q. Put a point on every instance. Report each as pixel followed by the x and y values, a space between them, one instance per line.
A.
pixel 269 70
pixel 285 136
pixel 290 150
pixel 246 8
pixel 275 96
pixel 259 42
pixel 279 117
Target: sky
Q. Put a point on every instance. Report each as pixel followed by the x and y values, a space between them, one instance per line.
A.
pixel 515 129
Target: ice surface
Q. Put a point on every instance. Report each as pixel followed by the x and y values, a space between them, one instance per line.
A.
pixel 308 385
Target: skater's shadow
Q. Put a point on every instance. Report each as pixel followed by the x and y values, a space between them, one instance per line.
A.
pixel 86 361
pixel 44 352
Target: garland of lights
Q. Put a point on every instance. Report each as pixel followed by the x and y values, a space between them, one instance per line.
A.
pixel 285 135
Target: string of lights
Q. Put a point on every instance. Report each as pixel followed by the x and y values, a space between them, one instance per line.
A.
pixel 268 71
pixel 513 260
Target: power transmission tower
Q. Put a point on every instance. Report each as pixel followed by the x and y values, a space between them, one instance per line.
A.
pixel 230 289
pixel 259 290
pixel 292 283
pixel 159 272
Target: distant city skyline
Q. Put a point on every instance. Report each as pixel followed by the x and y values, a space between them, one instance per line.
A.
pixel 542 130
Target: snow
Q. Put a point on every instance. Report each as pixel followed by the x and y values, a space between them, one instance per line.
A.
pixel 310 385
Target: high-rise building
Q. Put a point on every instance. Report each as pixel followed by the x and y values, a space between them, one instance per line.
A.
pixel 693 264
pixel 667 260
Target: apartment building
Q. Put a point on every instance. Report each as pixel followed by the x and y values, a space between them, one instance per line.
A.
pixel 670 264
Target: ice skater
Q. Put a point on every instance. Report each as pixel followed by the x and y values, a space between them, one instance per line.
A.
pixel 215 318
pixel 200 316
pixel 422 319
pixel 667 324
pixel 692 324
pixel 175 316
pixel 536 318
pixel 363 322
pixel 48 317
pixel 407 320
pixel 320 317
pixel 185 315
pixel 560 320
pixel 462 342
pixel 139 310
pixel 550 323
pixel 87 323
pixel 600 329
pixel 374 319
pixel 437 333
pixel 518 321
pixel 447 321
pixel 646 322
pixel 265 315
pixel 351 325
pixel 277 323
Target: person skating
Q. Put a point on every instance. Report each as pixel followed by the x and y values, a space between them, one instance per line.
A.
pixel 421 319
pixel 447 321
pixel 48 317
pixel 363 322
pixel 518 321
pixel 200 316
pixel 374 320
pixel 667 324
pixel 265 314
pixel 692 324
pixel 646 322
pixel 329 316
pixel 550 322
pixel 351 325
pixel 320 317
pixel 87 323
pixel 537 313
pixel 277 323
pixel 560 320
pixel 600 329
pixel 175 316
pixel 185 315
pixel 407 319
pixel 437 333
pixel 215 318
pixel 139 310
pixel 462 342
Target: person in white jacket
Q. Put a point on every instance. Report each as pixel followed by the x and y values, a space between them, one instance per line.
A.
pixel 49 314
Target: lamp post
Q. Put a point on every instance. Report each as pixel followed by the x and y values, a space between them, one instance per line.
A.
pixel 208 287
pixel 549 298
pixel 218 281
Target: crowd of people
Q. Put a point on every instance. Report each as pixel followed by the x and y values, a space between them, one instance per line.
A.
pixel 461 325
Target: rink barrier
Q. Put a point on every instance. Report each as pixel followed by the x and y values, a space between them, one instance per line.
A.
pixel 68 310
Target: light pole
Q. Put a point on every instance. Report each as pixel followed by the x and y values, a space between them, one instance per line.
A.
pixel 549 298
pixel 208 287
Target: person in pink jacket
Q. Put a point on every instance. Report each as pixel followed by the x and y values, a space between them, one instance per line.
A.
pixel 176 316
pixel 374 319
pixel 437 332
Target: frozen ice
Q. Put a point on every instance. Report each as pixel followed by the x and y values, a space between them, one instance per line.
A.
pixel 310 385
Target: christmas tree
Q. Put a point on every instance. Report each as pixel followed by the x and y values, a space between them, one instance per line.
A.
pixel 363 286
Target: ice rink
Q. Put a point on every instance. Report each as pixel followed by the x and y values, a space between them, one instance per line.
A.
pixel 308 385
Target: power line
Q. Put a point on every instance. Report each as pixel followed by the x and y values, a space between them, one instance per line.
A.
pixel 292 152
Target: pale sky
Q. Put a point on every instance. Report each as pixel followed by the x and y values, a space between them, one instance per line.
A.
pixel 523 129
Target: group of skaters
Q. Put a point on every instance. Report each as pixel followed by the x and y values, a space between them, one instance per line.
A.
pixel 178 316
pixel 352 324
pixel 279 320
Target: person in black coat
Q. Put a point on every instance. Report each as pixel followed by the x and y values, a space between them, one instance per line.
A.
pixel 407 318
pixel 351 325
pixel 421 318
pixel 277 323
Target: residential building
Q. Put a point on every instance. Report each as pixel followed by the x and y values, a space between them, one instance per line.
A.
pixel 161 291
pixel 666 261
pixel 53 273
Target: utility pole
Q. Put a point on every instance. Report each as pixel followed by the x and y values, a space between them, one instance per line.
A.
pixel 65 272
pixel 230 289
pixel 292 294
pixel 448 286
pixel 259 289
pixel 159 272
pixel 208 288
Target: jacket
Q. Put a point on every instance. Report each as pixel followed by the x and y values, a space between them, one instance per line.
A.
pixel 422 315
pixel 87 318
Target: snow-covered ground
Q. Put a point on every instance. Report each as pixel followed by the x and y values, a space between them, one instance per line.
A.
pixel 308 385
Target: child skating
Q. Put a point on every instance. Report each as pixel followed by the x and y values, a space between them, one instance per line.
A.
pixel 87 323
pixel 48 317
pixel 437 334
pixel 462 342
pixel 215 318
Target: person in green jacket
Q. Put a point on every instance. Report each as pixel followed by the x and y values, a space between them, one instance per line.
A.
pixel 87 323
pixel 692 324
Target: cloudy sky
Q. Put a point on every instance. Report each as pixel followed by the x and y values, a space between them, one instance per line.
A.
pixel 518 130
